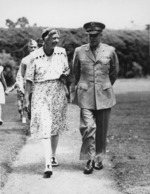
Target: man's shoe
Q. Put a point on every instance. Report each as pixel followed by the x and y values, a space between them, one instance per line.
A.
pixel 89 167
pixel 98 165
pixel 54 162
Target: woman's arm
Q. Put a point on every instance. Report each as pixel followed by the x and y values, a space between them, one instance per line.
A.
pixel 11 89
pixel 3 81
pixel 28 88
pixel 23 69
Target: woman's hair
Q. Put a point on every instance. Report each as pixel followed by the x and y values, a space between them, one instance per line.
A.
pixel 32 43
pixel 49 31
pixel 39 42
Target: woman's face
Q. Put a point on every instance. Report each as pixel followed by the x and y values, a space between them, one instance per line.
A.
pixel 32 48
pixel 52 39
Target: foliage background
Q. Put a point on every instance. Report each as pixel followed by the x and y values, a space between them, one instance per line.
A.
pixel 132 48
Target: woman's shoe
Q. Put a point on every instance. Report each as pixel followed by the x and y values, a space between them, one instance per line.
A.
pixel 89 167
pixel 24 120
pixel 48 172
pixel 98 165
pixel 54 162
pixel 1 122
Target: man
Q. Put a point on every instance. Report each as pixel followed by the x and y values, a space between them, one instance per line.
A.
pixel 21 78
pixel 95 67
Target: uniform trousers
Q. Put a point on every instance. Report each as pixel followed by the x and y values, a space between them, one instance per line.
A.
pixel 93 128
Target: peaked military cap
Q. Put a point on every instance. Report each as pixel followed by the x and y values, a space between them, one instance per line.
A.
pixel 93 27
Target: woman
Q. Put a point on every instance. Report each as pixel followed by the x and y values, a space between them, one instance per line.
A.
pixel 48 70
pixel 3 88
pixel 21 78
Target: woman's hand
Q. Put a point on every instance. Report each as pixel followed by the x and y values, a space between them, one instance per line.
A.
pixel 63 78
pixel 6 91
pixel 26 105
pixel 27 94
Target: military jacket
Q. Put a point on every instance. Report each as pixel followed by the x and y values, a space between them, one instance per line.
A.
pixel 94 76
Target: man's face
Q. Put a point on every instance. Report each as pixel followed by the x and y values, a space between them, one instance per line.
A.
pixel 52 39
pixel 94 39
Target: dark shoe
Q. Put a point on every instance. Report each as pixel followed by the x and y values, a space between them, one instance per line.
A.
pixel 47 174
pixel 98 165
pixel 1 122
pixel 89 167
pixel 54 162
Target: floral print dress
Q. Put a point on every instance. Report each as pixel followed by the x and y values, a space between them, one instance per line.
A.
pixel 49 102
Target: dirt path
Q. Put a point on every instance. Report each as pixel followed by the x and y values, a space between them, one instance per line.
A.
pixel 68 178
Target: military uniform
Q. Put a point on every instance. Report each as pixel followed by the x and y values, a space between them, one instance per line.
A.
pixel 94 73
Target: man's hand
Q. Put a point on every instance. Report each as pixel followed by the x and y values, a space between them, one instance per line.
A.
pixel 66 91
pixel 72 91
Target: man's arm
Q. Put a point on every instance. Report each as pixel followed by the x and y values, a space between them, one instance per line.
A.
pixel 114 68
pixel 75 75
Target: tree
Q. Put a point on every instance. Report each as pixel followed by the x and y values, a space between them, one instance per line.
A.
pixel 148 29
pixel 10 23
pixel 9 67
pixel 22 22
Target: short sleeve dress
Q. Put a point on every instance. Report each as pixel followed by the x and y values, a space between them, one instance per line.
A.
pixel 2 93
pixel 49 102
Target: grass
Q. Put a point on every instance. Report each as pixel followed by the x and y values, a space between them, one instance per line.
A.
pixel 129 140
pixel 12 137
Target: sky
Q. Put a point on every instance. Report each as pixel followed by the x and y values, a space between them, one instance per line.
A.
pixel 115 14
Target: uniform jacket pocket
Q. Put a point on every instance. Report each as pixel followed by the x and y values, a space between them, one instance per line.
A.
pixel 107 86
pixel 83 86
